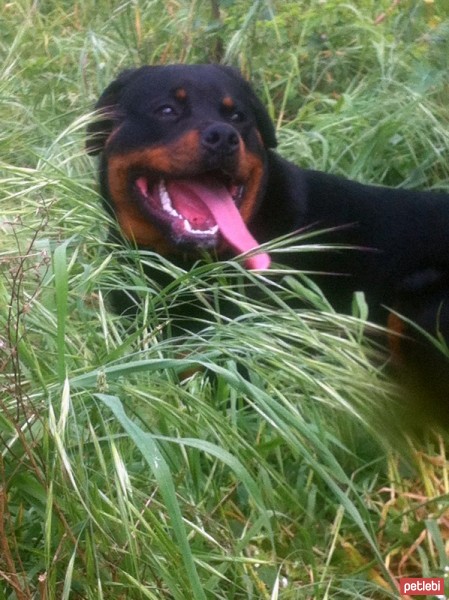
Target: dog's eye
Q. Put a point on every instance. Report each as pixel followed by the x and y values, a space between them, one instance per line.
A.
pixel 166 110
pixel 236 116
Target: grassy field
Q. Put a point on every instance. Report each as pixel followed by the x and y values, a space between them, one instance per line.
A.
pixel 118 478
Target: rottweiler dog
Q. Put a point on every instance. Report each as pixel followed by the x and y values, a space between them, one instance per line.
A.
pixel 187 165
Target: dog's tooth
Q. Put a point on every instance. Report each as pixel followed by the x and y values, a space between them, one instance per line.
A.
pixel 211 231
pixel 166 200
pixel 237 193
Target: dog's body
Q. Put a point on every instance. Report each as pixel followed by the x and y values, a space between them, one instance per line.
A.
pixel 187 165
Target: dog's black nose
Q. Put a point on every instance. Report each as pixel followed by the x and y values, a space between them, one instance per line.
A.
pixel 220 138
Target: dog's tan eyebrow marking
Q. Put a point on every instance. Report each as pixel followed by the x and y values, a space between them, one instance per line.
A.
pixel 228 102
pixel 180 94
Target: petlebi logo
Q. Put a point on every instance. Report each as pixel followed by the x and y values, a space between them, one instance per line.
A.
pixel 422 586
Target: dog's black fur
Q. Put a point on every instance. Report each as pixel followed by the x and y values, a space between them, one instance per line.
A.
pixel 202 125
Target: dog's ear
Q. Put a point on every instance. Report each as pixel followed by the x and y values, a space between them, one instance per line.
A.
pixel 99 129
pixel 264 123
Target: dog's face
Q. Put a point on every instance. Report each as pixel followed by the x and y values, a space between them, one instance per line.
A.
pixel 183 156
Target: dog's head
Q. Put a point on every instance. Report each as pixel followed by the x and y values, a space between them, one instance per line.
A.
pixel 183 157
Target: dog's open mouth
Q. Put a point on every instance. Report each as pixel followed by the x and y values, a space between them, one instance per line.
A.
pixel 199 212
pixel 188 204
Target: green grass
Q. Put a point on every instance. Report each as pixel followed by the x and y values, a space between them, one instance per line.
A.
pixel 262 457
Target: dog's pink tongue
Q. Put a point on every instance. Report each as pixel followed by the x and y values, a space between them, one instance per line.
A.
pixel 220 204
